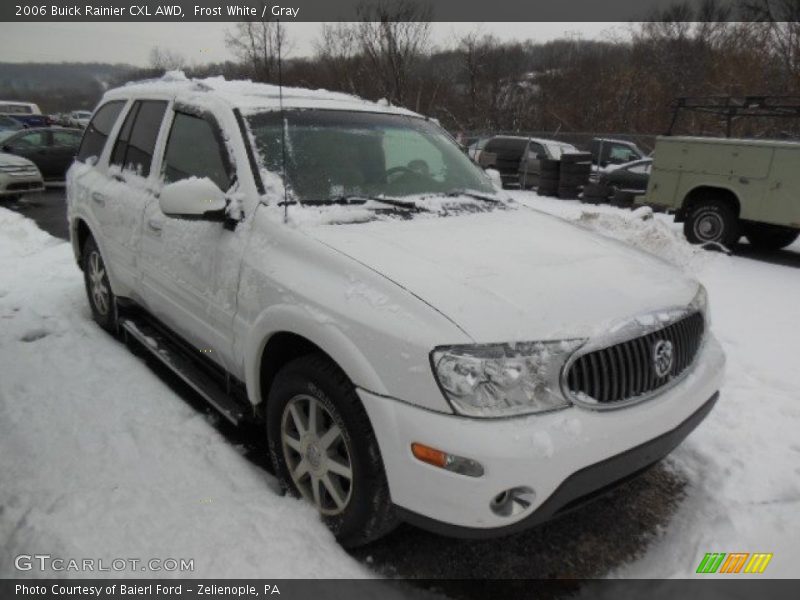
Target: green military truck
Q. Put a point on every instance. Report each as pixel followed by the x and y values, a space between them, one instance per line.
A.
pixel 724 188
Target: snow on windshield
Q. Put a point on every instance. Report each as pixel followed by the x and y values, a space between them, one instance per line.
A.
pixel 331 155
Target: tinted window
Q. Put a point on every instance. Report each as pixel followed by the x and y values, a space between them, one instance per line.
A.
pixel 16 109
pixel 507 145
pixel 94 139
pixel 534 150
pixel 31 140
pixel 66 138
pixel 194 150
pixel 133 149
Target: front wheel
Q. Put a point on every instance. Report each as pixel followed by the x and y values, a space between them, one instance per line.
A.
pixel 98 289
pixel 712 221
pixel 324 450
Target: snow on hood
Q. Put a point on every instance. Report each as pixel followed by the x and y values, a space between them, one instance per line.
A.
pixel 515 275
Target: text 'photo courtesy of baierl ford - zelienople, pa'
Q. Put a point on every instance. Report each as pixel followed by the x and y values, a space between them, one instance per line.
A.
pixel 400 299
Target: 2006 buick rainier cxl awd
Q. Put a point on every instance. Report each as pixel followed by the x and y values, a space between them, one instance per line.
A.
pixel 419 346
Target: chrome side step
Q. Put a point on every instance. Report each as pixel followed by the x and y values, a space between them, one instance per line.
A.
pixel 169 353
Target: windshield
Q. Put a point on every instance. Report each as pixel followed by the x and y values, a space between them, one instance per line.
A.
pixel 337 154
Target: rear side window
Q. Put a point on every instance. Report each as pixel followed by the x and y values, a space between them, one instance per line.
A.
pixel 133 149
pixel 66 138
pixel 94 139
pixel 507 145
pixel 194 150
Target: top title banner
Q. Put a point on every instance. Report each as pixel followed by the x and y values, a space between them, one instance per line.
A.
pixel 389 10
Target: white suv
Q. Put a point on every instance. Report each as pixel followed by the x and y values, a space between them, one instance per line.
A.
pixel 419 346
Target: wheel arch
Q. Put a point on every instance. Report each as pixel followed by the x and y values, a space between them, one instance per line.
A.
pixel 701 192
pixel 283 333
pixel 81 233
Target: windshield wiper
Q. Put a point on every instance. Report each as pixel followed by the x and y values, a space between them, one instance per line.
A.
pixel 358 200
pixel 470 194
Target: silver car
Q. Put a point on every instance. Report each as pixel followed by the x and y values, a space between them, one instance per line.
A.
pixel 18 176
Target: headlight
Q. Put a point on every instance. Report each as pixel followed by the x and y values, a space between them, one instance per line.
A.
pixel 700 303
pixel 501 380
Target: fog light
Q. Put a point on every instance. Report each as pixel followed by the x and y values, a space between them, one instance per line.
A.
pixel 511 502
pixel 443 460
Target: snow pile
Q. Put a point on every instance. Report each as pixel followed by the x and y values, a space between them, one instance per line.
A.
pixel 640 228
pixel 100 459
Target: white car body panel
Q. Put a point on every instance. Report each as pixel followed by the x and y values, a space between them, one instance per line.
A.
pixel 378 297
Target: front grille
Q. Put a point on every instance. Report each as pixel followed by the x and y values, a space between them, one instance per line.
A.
pixel 23 185
pixel 627 370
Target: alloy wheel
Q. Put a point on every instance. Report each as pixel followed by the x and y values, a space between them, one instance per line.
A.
pixel 317 454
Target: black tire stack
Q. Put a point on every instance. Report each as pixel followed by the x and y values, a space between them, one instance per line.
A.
pixel 574 174
pixel 549 177
pixel 596 193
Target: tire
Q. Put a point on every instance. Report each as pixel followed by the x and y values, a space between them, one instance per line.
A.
pixel 363 511
pixel 549 166
pixel 770 237
pixel 712 221
pixel 583 169
pixel 576 158
pixel 571 180
pixel 98 289
pixel 568 192
pixel 11 198
pixel 623 199
pixel 598 191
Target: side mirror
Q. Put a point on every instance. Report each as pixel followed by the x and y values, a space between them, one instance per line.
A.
pixel 494 175
pixel 193 198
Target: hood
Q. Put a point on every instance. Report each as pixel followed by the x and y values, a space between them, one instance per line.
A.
pixel 515 275
pixel 14 161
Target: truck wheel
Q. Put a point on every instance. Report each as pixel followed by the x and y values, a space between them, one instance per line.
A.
pixel 712 221
pixel 95 276
pixel 324 450
pixel 770 237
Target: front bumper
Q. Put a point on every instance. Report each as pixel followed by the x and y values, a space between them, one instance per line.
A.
pixel 15 184
pixel 563 456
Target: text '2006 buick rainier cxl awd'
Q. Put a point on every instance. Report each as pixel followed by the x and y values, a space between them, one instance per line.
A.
pixel 419 346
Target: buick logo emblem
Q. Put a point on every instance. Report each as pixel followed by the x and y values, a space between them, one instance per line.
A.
pixel 662 357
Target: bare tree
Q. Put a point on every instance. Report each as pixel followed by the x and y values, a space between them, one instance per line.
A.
pixel 393 35
pixel 258 44
pixel 166 60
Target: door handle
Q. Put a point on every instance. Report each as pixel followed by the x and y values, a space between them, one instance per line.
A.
pixel 155 225
pixel 98 198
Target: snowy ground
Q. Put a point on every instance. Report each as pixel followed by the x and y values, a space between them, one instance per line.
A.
pixel 99 458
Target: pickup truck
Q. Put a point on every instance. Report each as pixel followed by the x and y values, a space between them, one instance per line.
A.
pixel 722 189
pixel 26 113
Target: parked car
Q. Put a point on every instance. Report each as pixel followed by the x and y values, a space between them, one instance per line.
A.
pixel 419 346
pixel 52 149
pixel 606 151
pixel 9 124
pixel 538 149
pixel 27 113
pixel 18 176
pixel 722 188
pixel 79 118
pixel 475 148
pixel 621 184
pixel 504 153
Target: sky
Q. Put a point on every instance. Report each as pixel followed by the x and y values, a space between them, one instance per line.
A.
pixel 200 43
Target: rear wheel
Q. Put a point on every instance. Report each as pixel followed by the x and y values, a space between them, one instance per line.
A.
pixel 324 450
pixel 712 221
pixel 95 276
pixel 770 237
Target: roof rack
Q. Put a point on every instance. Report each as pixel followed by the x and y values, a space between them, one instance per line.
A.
pixel 731 107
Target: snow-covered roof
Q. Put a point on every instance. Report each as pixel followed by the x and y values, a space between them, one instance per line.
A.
pixel 246 95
